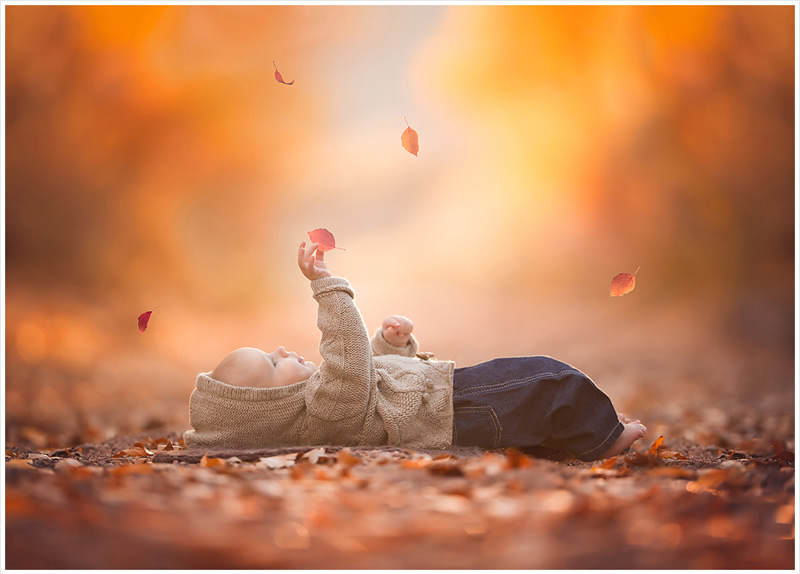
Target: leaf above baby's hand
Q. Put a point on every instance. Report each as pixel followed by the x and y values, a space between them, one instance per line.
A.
pixel 324 238
pixel 279 77
pixel 623 283
pixel 410 139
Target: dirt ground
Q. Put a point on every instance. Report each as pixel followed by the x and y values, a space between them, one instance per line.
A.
pixel 711 486
pixel 156 505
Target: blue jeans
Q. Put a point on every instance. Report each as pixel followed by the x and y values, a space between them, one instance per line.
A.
pixel 532 401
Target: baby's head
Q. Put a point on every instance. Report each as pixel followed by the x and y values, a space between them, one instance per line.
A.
pixel 249 367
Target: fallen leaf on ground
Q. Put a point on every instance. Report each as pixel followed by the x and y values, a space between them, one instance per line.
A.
pixel 653 451
pixel 134 451
pixel 278 461
pixel 212 462
pixel 347 458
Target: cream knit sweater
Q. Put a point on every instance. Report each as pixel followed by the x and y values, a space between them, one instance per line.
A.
pixel 365 392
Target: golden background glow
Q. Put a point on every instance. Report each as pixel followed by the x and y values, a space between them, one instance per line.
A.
pixel 153 160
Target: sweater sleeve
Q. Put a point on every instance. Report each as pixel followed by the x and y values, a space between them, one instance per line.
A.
pixel 341 388
pixel 381 346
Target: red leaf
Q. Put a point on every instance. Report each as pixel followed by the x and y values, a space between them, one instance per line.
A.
pixel 410 140
pixel 623 283
pixel 143 320
pixel 324 238
pixel 279 77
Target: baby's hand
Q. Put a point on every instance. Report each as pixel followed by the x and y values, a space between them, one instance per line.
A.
pixel 396 330
pixel 313 267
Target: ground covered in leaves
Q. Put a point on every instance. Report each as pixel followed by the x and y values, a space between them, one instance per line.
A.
pixel 115 488
pixel 148 502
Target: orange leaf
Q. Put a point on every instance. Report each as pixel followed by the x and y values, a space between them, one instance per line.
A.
pixel 212 462
pixel 609 464
pixel 623 283
pixel 279 77
pixel 655 446
pixel 410 139
pixel 347 458
pixel 324 238
pixel 517 459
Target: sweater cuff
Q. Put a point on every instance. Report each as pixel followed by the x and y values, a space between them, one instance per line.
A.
pixel 328 284
pixel 381 346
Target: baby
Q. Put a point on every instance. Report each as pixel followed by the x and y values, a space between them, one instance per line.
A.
pixel 380 390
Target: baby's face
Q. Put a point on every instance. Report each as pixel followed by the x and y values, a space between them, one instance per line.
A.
pixel 287 368
pixel 249 367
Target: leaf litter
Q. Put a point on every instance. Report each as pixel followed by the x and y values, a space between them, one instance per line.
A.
pixel 660 504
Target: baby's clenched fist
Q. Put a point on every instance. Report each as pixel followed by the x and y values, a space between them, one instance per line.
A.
pixel 397 330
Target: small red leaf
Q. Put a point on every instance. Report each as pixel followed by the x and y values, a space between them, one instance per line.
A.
pixel 144 318
pixel 279 77
pixel 410 140
pixel 623 283
pixel 324 238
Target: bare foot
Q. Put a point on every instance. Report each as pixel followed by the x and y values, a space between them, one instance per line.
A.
pixel 623 419
pixel 633 432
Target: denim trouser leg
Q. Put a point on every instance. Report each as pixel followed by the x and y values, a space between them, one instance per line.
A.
pixel 532 401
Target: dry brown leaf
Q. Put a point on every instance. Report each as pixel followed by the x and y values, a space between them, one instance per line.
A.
pixel 135 451
pixel 212 462
pixel 672 455
pixel 128 469
pixel 278 461
pixel 416 463
pixel 317 456
pixel 517 459
pixel 653 451
pixel 19 463
pixel 446 467
pixel 347 458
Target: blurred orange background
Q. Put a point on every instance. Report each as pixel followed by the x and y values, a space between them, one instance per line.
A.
pixel 153 160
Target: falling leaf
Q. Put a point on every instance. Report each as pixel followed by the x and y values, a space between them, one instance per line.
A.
pixel 279 77
pixel 324 238
pixel 623 283
pixel 144 318
pixel 410 139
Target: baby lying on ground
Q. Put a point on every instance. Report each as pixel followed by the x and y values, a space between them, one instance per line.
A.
pixel 382 391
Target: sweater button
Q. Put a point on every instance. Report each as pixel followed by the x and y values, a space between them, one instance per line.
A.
pixel 429 385
pixel 425 397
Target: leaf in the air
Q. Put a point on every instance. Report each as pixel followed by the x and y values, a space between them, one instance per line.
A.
pixel 279 77
pixel 623 283
pixel 144 318
pixel 324 238
pixel 410 139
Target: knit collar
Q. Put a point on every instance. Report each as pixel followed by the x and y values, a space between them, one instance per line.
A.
pixel 215 387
